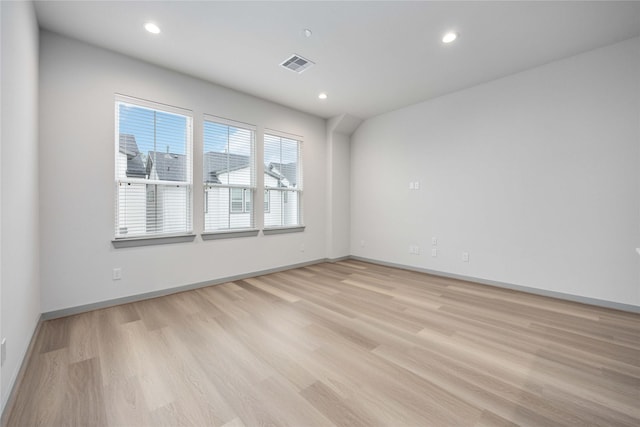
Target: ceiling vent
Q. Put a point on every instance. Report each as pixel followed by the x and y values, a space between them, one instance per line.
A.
pixel 297 63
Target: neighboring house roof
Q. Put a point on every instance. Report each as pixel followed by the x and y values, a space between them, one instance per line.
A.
pixel 215 164
pixel 277 175
pixel 289 170
pixel 135 165
pixel 167 166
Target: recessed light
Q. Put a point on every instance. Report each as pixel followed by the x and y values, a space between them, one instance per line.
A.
pixel 449 37
pixel 152 28
pixel 322 95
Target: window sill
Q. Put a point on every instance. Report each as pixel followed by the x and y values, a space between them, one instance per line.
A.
pixel 151 241
pixel 283 230
pixel 229 234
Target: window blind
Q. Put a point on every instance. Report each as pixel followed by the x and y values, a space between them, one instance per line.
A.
pixel 283 180
pixel 153 175
pixel 229 174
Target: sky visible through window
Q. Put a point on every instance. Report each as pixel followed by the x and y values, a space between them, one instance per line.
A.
pixel 279 150
pixel 166 132
pixel 154 130
pixel 222 138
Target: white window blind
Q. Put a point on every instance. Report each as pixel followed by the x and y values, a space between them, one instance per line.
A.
pixel 153 145
pixel 283 180
pixel 229 174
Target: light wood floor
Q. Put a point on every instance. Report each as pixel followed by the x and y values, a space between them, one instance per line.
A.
pixel 350 344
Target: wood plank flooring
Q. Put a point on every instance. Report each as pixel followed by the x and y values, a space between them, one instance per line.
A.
pixel 345 344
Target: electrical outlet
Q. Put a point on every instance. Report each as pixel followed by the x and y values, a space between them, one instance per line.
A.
pixel 117 274
pixel 434 252
pixel 362 243
pixel 416 185
pixel 465 256
pixel 434 241
pixel 3 351
pixel 301 247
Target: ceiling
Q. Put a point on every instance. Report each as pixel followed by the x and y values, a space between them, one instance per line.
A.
pixel 371 56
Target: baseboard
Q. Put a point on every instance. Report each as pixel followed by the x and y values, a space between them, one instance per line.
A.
pixel 6 411
pixel 543 292
pixel 342 258
pixel 169 291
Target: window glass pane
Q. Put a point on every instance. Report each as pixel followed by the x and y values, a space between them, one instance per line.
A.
pixel 273 218
pixel 132 208
pixel 154 142
pixel 289 162
pixel 283 210
pixel 217 217
pixel 228 154
pixel 290 208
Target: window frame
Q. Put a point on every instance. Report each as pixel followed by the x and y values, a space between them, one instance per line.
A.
pixel 247 190
pixel 298 189
pixel 150 238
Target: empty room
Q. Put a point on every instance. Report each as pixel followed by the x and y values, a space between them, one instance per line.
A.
pixel 320 213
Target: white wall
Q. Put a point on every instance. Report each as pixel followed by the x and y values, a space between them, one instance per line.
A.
pixel 536 175
pixel 338 203
pixel 19 164
pixel 339 131
pixel 77 87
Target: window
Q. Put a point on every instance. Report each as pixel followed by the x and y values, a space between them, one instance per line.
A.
pixel 229 174
pixel 240 200
pixel 153 169
pixel 237 200
pixel 267 201
pixel 282 180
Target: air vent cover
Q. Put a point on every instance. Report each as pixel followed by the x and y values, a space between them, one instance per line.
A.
pixel 297 63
